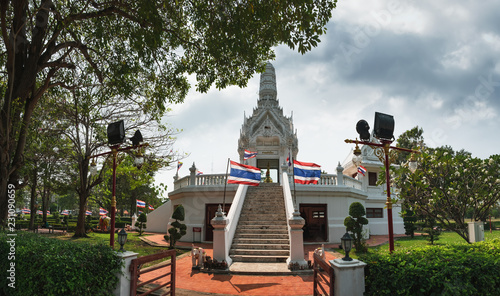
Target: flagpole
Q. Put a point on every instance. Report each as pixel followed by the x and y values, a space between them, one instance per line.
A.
pixel 225 185
pixel 293 174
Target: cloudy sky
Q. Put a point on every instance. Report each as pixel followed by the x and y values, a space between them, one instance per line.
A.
pixel 435 64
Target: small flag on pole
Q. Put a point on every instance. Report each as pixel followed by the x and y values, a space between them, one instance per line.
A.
pixel 244 174
pixel 102 212
pixel 199 173
pixel 288 160
pixel 249 154
pixel 362 170
pixel 65 213
pixel 179 164
pixel 306 173
pixel 139 212
pixel 26 211
pixel 141 204
pixel 39 212
pixel 88 213
pixel 150 207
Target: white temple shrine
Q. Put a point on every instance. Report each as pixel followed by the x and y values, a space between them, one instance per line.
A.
pixel 272 221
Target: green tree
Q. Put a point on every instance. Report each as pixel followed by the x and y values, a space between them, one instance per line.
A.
pixel 354 223
pixel 141 222
pixel 136 48
pixel 178 230
pixel 448 184
pixel 410 139
pixel 409 220
pixel 430 229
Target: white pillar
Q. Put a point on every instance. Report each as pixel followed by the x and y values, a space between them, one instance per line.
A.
pixel 123 285
pixel 476 231
pixel 349 277
pixel 219 243
pixel 296 240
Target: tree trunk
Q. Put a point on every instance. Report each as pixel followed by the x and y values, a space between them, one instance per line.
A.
pixel 80 224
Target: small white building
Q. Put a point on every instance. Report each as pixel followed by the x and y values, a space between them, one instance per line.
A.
pixel 323 206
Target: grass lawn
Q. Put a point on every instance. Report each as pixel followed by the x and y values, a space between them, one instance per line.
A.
pixel 445 238
pixel 134 243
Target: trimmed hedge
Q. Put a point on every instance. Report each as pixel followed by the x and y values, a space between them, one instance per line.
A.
pixel 45 266
pixel 468 269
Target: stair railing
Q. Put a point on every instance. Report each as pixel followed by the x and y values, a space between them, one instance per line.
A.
pixel 233 217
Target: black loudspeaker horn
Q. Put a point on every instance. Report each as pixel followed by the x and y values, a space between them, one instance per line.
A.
pixel 116 133
pixel 363 130
pixel 137 138
pixel 384 126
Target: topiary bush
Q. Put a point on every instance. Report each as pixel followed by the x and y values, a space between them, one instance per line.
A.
pixel 354 223
pixel 458 270
pixel 178 230
pixel 141 222
pixel 47 266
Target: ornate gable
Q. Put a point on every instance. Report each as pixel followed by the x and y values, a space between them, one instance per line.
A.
pixel 267 130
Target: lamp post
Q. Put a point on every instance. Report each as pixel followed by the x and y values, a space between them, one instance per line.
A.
pixel 346 242
pixel 383 131
pixel 116 136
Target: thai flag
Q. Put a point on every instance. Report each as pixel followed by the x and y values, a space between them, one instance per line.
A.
pixel 39 212
pixel 65 213
pixel 199 173
pixel 48 212
pixel 150 207
pixel 362 170
pixel 306 173
pixel 26 211
pixel 288 160
pixel 139 212
pixel 88 213
pixel 141 204
pixel 244 174
pixel 102 212
pixel 249 154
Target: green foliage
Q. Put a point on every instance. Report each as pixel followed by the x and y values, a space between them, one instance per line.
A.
pixel 354 223
pixel 178 230
pixel 458 270
pixel 448 184
pixel 46 266
pixel 141 222
pixel 430 229
pixel 409 220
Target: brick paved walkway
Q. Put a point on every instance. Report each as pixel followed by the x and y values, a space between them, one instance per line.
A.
pixel 190 283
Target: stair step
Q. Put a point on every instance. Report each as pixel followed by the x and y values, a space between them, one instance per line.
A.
pixel 261 241
pixel 254 246
pixel 259 252
pixel 261 236
pixel 249 258
pixel 264 227
pixel 262 222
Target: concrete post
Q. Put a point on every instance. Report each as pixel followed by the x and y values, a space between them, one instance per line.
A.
pixel 476 231
pixel 219 243
pixel 134 219
pixel 296 240
pixel 192 175
pixel 349 277
pixel 340 175
pixel 123 285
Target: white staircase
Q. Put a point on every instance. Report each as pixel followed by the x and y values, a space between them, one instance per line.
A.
pixel 262 232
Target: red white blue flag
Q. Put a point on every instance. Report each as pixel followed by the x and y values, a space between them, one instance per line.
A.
pixel 141 204
pixel 306 172
pixel 102 212
pixel 179 164
pixel 88 213
pixel 65 213
pixel 199 173
pixel 244 174
pixel 150 207
pixel 26 211
pixel 362 170
pixel 249 154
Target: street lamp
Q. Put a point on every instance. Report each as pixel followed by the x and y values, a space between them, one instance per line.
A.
pixel 116 136
pixel 122 239
pixel 383 130
pixel 346 242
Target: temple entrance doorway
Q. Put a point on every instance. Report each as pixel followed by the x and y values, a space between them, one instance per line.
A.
pixel 274 168
pixel 315 216
pixel 210 210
